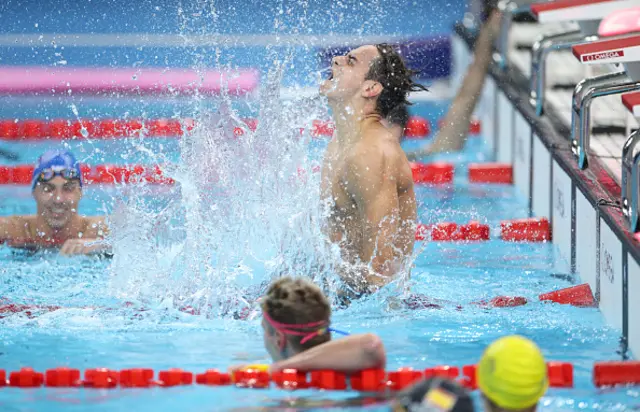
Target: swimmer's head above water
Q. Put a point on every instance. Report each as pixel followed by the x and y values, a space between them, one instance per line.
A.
pixel 57 187
pixel 512 375
pixel 372 79
pixel 296 316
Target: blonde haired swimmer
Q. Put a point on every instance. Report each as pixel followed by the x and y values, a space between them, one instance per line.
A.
pixel 297 332
pixel 512 375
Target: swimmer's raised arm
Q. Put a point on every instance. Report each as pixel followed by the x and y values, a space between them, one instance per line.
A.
pixel 453 135
pixel 374 193
pixel 349 354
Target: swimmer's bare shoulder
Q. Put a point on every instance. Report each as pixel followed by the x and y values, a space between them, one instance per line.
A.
pixel 378 150
pixel 13 227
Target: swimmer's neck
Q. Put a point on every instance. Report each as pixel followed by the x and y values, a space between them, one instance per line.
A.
pixel 350 123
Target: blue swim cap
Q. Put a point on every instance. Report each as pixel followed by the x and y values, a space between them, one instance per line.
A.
pixel 56 161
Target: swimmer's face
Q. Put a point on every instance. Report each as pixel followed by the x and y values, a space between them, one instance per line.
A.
pixel 347 75
pixel 57 201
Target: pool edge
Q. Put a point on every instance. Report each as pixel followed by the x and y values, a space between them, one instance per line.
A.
pixel 589 228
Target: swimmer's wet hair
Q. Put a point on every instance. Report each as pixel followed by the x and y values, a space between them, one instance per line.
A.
pixel 298 301
pixel 389 70
pixel 399 115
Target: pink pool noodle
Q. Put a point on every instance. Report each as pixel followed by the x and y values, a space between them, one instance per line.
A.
pixel 83 80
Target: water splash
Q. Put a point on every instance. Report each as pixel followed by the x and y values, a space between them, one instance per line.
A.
pixel 246 208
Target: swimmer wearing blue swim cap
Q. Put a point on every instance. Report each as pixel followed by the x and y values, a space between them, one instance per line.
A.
pixel 297 332
pixel 56 186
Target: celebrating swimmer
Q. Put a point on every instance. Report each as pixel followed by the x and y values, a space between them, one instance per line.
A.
pixel 296 321
pixel 366 177
pixel 57 189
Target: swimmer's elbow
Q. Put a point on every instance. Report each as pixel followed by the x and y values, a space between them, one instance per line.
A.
pixel 374 351
pixel 6 232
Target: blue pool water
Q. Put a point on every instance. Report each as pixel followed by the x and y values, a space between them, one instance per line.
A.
pixel 96 329
pixel 110 335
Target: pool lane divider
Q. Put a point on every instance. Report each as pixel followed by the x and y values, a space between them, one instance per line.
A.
pixel 515 230
pixel 579 295
pixel 442 173
pixel 437 173
pixel 560 375
pixel 101 174
pixel 496 173
pixel 60 129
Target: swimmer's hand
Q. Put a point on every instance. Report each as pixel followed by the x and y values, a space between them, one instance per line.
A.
pixel 84 247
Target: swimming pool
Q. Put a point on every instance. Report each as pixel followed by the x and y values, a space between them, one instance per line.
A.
pixel 99 330
pixel 160 337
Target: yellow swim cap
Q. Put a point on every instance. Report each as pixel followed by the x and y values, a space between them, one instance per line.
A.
pixel 262 367
pixel 512 373
pixel 256 367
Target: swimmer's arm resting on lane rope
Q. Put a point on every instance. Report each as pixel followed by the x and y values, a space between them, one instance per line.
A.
pixel 348 354
pixel 94 241
pixel 376 198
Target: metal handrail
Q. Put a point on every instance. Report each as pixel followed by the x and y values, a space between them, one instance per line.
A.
pixel 630 191
pixel 509 9
pixel 578 94
pixel 541 49
pixel 581 114
pixel 588 83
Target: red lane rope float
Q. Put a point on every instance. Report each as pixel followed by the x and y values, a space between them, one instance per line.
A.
pixel 452 232
pixel 560 374
pixel 433 173
pixel 58 129
pixel 491 173
pixel 616 373
pixel 101 174
pixel 526 230
pixel 37 129
pixel 580 295
pixel 368 380
pixel 417 128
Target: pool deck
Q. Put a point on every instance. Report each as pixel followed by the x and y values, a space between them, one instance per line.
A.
pixel 609 116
